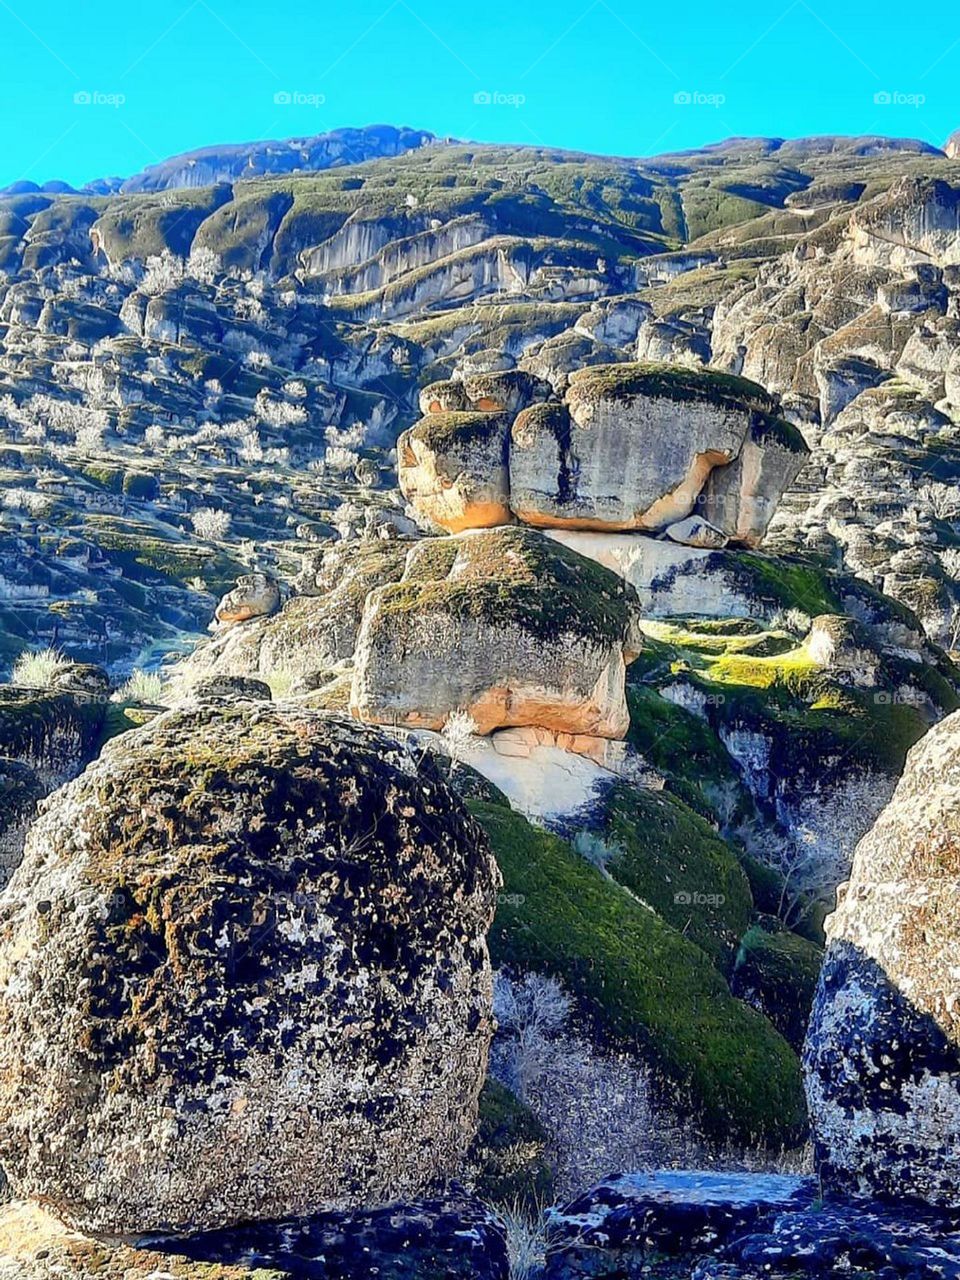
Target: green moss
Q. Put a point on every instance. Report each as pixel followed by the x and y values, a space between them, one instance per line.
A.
pixel 777 972
pixel 641 984
pixel 676 862
pixel 515 576
pixel 508 1153
pixel 441 430
pixel 673 382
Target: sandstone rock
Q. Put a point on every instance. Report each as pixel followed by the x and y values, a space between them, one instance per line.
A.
pixel 506 392
pixel 230 688
pixel 312 633
pixel 916 222
pixel 20 792
pixel 453 468
pixel 631 448
pixel 742 497
pixel 627 1223
pixel 251 976
pixel 256 595
pixel 503 626
pixel 84 678
pixel 882 1058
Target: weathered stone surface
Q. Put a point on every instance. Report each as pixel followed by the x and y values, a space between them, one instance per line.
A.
pixel 631 449
pixel 743 497
pixel 218 688
pixel 697 532
pixel 20 792
pixel 916 221
pixel 624 1225
pixel 256 595
pixel 453 468
pixel 34 1245
pixel 882 1058
pixel 735 1226
pixel 503 626
pixel 312 632
pixel 452 1237
pixel 54 733
pixel 243 975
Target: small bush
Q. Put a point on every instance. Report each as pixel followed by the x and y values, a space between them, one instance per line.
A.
pixel 39 669
pixel 143 687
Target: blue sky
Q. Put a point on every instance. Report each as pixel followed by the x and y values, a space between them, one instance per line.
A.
pixel 610 76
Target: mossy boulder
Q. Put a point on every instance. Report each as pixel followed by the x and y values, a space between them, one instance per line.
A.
pixel 503 625
pixel 257 982
pixel 776 971
pixel 453 468
pixel 641 984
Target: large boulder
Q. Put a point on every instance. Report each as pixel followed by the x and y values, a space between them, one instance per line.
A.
pixel 883 1051
pixel 453 468
pixel 243 974
pixel 505 626
pixel 631 448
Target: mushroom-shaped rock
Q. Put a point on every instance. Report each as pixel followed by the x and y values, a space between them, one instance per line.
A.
pixel 504 625
pixel 453 469
pixel 882 1057
pixel 443 397
pixel 742 497
pixel 631 448
pixel 256 595
pixel 243 974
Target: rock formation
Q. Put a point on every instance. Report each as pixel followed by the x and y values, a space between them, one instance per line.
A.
pixel 256 595
pixel 243 975
pixel 20 792
pixel 503 626
pixel 883 1051
pixel 630 447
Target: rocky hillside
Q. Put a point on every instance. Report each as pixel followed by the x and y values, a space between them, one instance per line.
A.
pixel 245 353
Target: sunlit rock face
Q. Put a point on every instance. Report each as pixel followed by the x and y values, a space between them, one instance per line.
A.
pixel 243 975
pixel 882 1058
pixel 504 626
pixel 634 446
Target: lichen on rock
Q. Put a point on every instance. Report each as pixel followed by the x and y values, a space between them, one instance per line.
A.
pixel 243 974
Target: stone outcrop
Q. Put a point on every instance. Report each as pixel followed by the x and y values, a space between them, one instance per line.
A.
pixel 629 447
pixel 453 468
pixel 883 1052
pixel 55 733
pixel 256 595
pixel 243 975
pixel 501 625
pixel 451 1236
pixel 740 1226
